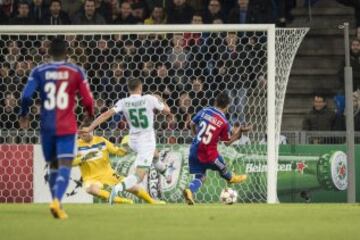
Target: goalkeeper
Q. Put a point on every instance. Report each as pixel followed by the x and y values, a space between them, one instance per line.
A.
pixel 96 170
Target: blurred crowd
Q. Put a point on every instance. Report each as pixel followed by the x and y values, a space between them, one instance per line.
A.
pixel 186 69
pixel 62 12
pixel 321 117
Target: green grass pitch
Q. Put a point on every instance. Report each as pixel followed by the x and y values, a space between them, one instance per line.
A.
pixel 176 221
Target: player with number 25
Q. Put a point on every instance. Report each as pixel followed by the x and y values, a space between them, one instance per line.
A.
pixel 209 126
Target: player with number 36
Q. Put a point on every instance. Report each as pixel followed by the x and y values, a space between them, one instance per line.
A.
pixel 58 83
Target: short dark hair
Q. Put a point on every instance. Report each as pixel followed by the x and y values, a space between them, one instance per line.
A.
pixel 320 95
pixel 58 47
pixel 89 1
pixel 198 14
pixel 133 84
pixel 57 1
pixel 157 5
pixel 222 100
pixel 86 122
pixel 23 3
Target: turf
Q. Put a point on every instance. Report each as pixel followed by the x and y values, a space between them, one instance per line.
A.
pixel 173 221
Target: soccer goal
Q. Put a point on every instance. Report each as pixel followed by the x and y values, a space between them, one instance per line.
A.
pixel 187 65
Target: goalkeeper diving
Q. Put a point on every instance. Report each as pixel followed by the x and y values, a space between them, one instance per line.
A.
pixel 96 171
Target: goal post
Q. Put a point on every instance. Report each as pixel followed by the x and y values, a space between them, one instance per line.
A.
pixel 251 62
pixel 271 111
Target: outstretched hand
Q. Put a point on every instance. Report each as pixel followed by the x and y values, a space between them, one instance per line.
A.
pixel 239 130
pixel 245 128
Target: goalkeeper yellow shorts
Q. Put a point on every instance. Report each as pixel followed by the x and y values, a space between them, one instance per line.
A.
pixel 101 181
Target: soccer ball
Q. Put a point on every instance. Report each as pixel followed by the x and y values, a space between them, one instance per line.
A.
pixel 228 196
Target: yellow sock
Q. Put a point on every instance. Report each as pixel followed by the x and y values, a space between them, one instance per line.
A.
pixel 103 194
pixel 123 200
pixel 141 193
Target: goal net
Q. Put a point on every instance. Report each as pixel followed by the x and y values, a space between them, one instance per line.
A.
pixel 187 66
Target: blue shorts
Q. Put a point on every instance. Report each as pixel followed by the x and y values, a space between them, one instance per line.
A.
pixel 196 167
pixel 58 147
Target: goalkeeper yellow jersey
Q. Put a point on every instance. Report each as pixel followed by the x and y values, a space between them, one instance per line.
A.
pixel 93 157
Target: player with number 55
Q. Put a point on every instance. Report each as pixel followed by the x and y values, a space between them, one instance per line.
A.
pixel 138 110
pixel 209 126
pixel 58 83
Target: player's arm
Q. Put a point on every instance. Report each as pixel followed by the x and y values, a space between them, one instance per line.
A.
pixel 104 117
pixel 194 122
pixel 85 92
pixel 77 160
pixel 193 128
pixel 160 105
pixel 29 90
pixel 82 158
pixel 236 134
pixel 114 149
pixel 99 120
pixel 166 110
pixel 233 138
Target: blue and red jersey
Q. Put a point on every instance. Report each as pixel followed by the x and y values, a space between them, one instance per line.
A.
pixel 211 127
pixel 58 84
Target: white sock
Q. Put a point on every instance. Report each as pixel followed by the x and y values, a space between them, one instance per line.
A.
pixel 129 182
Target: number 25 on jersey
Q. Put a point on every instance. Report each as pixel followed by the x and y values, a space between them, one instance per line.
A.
pixel 206 132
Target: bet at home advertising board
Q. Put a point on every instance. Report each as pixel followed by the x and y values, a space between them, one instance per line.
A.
pixel 315 171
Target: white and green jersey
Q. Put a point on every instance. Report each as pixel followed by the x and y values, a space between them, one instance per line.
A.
pixel 139 112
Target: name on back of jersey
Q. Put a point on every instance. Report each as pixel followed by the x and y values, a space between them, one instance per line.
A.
pixel 56 75
pixel 135 104
pixel 212 120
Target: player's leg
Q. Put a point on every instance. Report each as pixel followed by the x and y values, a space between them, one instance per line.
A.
pixel 220 166
pixel 113 179
pixel 198 170
pixel 129 182
pixel 164 169
pixel 65 152
pixel 197 182
pixel 61 182
pixel 48 143
pixel 193 187
pixel 145 154
pixel 63 177
pixel 52 175
pixel 49 150
pixel 96 188
pixel 144 195
pixel 65 149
